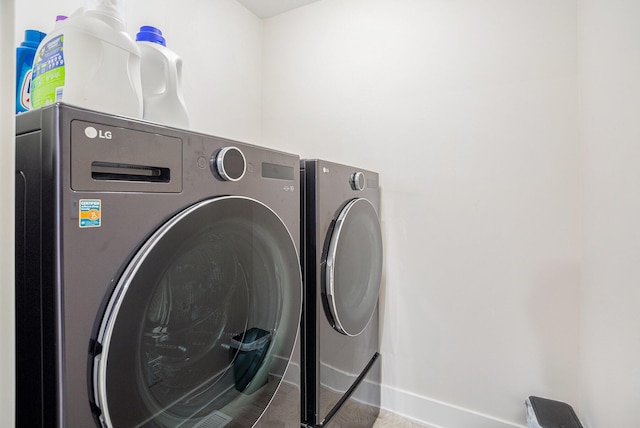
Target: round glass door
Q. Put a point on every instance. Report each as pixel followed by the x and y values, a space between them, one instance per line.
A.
pixel 202 322
pixel 353 267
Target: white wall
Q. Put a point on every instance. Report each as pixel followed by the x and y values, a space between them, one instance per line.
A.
pixel 7 180
pixel 220 43
pixel 610 133
pixel 469 111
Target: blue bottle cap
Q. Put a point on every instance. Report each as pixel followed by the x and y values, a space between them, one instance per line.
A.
pixel 32 38
pixel 150 34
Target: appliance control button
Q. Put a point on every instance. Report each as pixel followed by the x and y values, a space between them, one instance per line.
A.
pixel 229 164
pixel 358 181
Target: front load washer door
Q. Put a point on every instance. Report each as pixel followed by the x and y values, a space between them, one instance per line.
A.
pixel 352 267
pixel 202 322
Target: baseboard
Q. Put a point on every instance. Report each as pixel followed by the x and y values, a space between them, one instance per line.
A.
pixel 437 414
pixel 339 381
pixel 423 410
pixel 292 374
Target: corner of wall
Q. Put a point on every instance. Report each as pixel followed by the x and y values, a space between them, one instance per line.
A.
pixel 7 154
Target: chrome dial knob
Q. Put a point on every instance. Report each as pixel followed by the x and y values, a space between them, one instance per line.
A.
pixel 229 164
pixel 358 181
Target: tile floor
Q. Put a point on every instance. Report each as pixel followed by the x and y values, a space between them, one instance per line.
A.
pixel 283 412
pixel 389 420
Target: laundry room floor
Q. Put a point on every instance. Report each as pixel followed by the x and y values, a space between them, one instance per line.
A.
pixel 284 413
pixel 388 420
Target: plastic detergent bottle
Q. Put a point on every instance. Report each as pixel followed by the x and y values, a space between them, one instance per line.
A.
pixel 25 54
pixel 60 18
pixel 161 72
pixel 88 60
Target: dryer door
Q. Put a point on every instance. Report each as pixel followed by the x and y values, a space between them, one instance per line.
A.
pixel 202 322
pixel 353 267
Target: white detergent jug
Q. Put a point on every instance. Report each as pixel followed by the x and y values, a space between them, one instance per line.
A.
pixel 161 72
pixel 88 60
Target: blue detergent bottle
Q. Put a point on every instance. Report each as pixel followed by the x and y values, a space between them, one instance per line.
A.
pixel 24 62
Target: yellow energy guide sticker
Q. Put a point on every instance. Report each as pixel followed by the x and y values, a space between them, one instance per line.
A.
pixel 90 212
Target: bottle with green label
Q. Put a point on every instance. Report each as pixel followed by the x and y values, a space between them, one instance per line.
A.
pixel 88 60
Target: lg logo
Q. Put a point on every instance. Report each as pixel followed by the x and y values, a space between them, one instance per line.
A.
pixel 92 133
